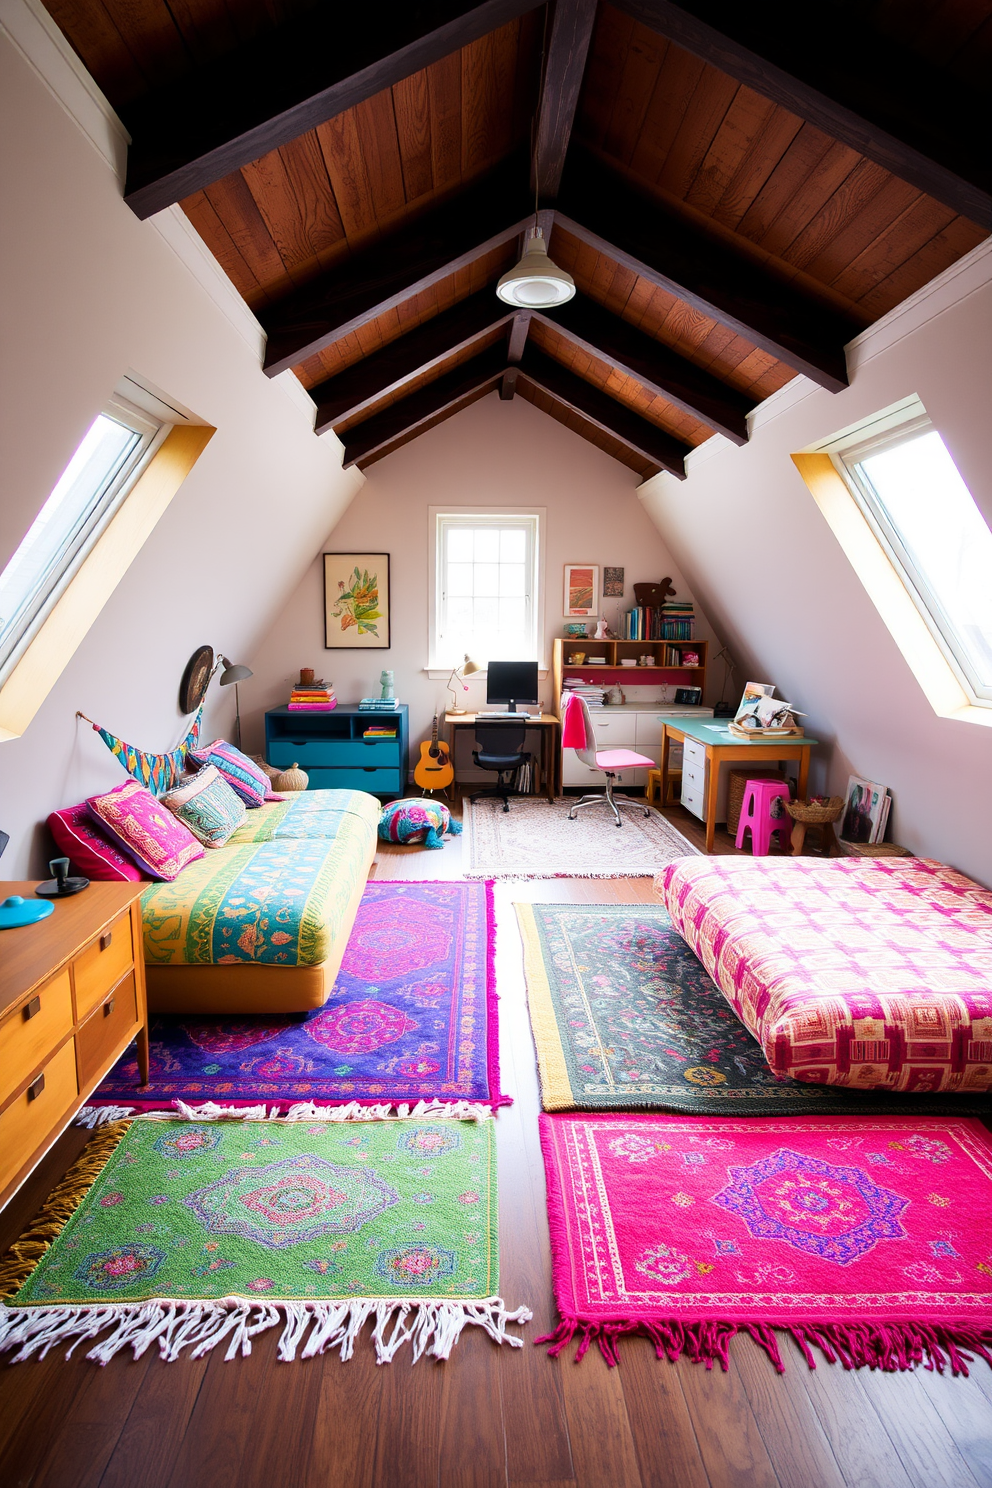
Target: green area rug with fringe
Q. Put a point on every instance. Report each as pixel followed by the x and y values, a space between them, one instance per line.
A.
pixel 187 1233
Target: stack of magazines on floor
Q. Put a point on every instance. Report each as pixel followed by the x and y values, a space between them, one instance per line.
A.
pixel 593 694
pixel 313 699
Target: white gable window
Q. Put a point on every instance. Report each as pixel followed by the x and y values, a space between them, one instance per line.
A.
pixel 486 590
pixel 94 484
pixel 926 518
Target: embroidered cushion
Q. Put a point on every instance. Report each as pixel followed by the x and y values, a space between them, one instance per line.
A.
pixel 417 820
pixel 89 848
pixel 207 805
pixel 144 828
pixel 244 777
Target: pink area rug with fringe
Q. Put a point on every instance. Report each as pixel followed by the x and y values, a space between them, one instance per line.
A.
pixel 412 1019
pixel 869 1241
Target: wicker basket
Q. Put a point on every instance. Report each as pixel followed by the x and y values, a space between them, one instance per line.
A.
pixel 815 814
pixel 736 782
pixel 875 849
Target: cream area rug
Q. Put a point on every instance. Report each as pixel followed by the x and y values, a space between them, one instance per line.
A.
pixel 535 839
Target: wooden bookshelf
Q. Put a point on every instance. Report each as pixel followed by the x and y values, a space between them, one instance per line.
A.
pixel 611 671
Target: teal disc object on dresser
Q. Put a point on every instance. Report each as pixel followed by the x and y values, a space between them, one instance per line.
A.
pixel 17 911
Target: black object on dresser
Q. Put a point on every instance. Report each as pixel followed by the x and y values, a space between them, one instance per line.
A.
pixel 331 748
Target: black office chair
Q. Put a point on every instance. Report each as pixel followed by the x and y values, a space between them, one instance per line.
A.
pixel 501 749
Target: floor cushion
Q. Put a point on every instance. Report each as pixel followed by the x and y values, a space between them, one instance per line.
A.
pixel 420 819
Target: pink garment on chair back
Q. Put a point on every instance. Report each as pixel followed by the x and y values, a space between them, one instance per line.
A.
pixel 578 730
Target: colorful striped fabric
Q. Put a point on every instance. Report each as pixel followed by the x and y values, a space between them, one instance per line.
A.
pixel 158 772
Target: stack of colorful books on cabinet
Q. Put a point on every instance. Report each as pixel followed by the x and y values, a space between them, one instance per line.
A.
pixel 313 699
pixel 673 621
pixel 380 731
pixel 379 705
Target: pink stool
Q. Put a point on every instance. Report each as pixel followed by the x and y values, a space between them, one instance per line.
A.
pixel 756 813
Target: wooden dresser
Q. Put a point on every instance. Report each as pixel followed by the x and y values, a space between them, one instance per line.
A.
pixel 72 997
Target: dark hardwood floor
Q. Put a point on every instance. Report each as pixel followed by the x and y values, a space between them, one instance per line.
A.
pixel 490 1417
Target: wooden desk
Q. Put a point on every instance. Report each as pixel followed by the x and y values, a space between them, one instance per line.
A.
pixel 550 727
pixel 723 747
pixel 72 997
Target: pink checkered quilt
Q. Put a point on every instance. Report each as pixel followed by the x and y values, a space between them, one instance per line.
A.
pixel 869 973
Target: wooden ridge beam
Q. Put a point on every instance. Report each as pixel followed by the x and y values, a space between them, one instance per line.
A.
pixel 568 51
pixel 420 350
pixel 601 209
pixel 514 351
pixel 432 248
pixel 382 429
pixel 280 85
pixel 605 412
pixel 655 366
pixel 825 65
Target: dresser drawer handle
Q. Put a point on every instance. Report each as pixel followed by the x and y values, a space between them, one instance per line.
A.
pixel 105 940
pixel 108 1007
pixel 36 1087
pixel 32 1009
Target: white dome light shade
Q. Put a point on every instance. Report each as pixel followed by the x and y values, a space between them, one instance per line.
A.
pixel 535 282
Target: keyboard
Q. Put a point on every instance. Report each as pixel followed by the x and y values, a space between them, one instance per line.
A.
pixel 508 717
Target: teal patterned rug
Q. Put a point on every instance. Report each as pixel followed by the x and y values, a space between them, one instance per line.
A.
pixel 196 1232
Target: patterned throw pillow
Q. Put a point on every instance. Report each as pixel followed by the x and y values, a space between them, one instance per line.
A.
pixel 242 774
pixel 208 806
pixel 90 849
pixel 154 838
pixel 417 820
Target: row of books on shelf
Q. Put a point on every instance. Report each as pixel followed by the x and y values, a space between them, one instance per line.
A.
pixel 380 731
pixel 670 622
pixel 313 699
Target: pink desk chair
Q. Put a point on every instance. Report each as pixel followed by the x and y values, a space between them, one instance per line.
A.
pixel 579 733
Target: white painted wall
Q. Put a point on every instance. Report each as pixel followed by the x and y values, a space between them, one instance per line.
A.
pixel 491 454
pixel 775 582
pixel 89 293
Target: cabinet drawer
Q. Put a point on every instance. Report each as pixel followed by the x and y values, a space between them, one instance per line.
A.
pixel 693 752
pixel 695 774
pixel 692 800
pixel 377 782
pixel 102 965
pixel 647 733
pixel 106 1028
pixel 29 1119
pixel 613 733
pixel 27 1035
pixel 307 752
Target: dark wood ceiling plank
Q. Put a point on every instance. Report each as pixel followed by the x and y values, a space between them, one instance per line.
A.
pixel 275 88
pixel 677 82
pixel 364 439
pixel 597 206
pixel 600 409
pixel 653 365
pixel 444 91
pixel 565 65
pixel 700 125
pixel 411 101
pixel 745 120
pixel 869 93
pixel 602 87
pixel 411 355
pixel 397 267
pixel 952 243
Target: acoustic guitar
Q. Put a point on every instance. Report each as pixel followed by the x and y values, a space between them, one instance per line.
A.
pixel 434 770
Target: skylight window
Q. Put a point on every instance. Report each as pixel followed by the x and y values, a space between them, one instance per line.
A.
pixel 90 490
pixel 936 537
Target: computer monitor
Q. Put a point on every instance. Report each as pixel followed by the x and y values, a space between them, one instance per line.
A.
pixel 512 682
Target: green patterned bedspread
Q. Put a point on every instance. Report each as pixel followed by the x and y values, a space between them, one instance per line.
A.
pixel 274 895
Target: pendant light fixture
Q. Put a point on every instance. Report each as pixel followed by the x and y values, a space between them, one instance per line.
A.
pixel 536 283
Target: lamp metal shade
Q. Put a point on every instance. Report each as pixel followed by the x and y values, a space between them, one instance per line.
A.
pixel 535 282
pixel 468 666
pixel 233 673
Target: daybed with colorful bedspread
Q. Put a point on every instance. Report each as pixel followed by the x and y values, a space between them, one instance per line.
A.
pixel 868 973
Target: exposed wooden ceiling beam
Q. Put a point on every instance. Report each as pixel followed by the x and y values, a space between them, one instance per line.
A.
pixel 652 364
pixel 364 383
pixel 514 351
pixel 278 86
pixel 605 412
pixel 396 268
pixel 597 206
pixel 568 49
pixel 824 64
pixel 384 428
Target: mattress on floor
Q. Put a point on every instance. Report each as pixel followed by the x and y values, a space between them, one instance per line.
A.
pixel 849 971
pixel 276 895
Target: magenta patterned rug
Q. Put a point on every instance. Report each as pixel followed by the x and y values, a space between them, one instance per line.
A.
pixel 412 1018
pixel 870 1240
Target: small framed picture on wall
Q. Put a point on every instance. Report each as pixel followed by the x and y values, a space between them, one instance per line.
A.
pixel 356 602
pixel 581 589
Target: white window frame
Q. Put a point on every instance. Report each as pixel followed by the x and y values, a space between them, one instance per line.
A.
pixel 889 583
pixel 153 431
pixel 440 518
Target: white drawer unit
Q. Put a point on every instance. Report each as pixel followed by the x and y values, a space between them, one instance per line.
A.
pixel 637 727
pixel 614 730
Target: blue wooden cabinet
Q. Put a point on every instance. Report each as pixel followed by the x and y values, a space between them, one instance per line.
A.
pixel 330 747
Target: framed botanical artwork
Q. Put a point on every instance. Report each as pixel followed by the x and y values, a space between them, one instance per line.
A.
pixel 581 589
pixel 356 601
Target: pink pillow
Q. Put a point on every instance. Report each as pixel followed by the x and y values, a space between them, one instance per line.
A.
pixel 88 847
pixel 245 778
pixel 157 840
